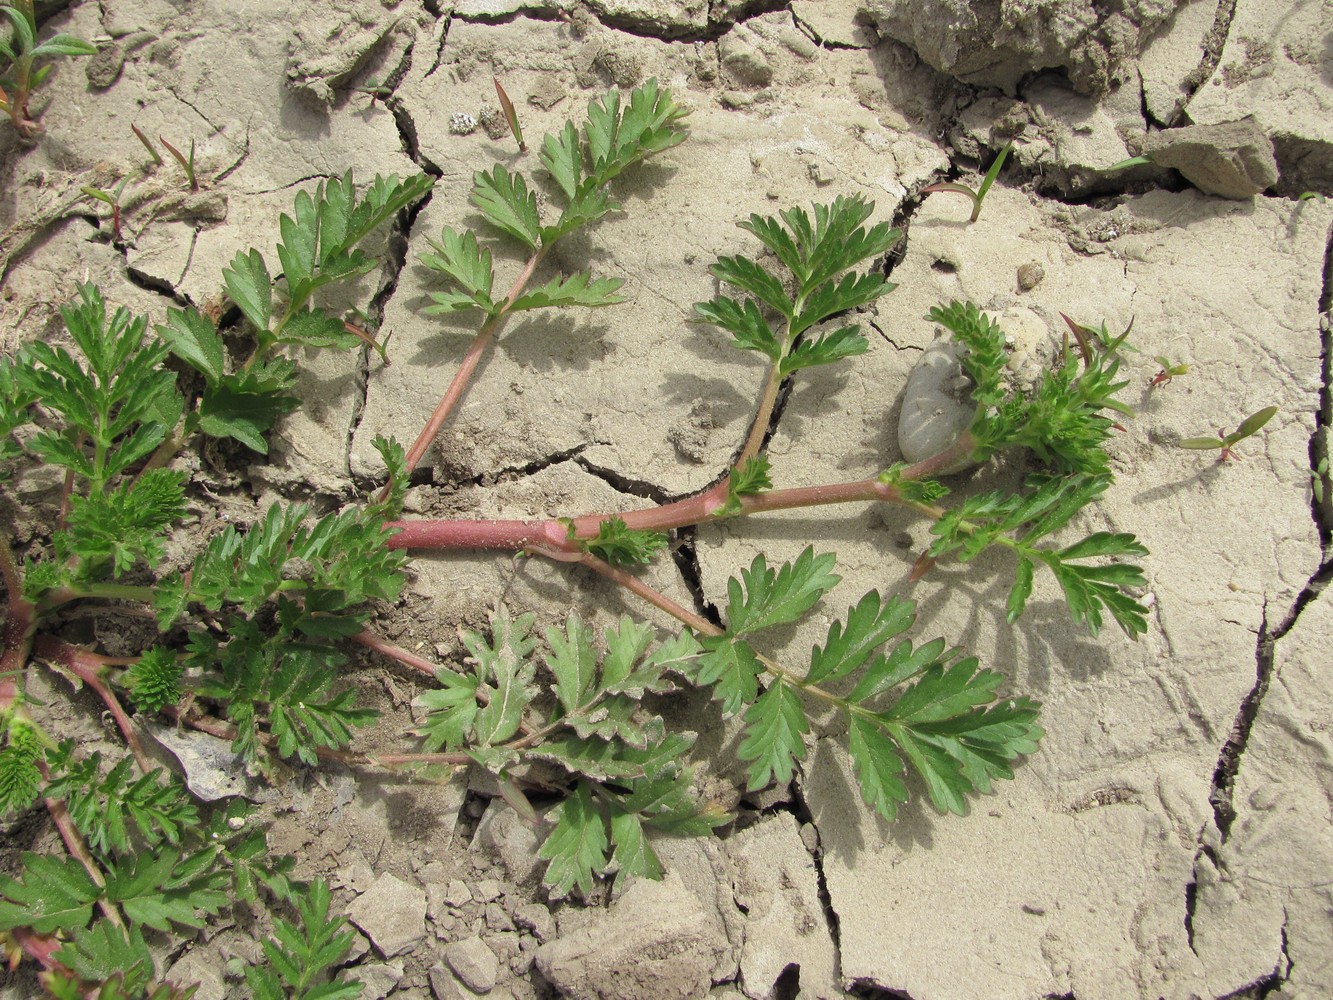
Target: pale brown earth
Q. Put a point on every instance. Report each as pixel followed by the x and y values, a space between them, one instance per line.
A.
pixel 1172 838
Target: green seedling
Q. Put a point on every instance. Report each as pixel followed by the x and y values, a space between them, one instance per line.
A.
pixel 1133 161
pixel 374 91
pixel 1169 369
pixel 1317 476
pixel 1226 443
pixel 186 162
pixel 111 198
pixel 978 195
pixel 147 144
pixel 250 633
pixel 1312 195
pixel 30 63
pixel 511 115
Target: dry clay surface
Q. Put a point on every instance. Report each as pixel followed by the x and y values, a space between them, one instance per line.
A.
pixel 1174 835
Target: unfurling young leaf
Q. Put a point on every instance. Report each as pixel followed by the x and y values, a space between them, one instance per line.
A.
pixel 621 545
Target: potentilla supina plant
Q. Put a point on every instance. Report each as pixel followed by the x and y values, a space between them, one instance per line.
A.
pixel 254 634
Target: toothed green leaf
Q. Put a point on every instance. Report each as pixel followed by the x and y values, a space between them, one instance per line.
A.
pixel 194 339
pixel 730 667
pixel 576 847
pixel 765 597
pixel 250 287
pixel 870 624
pixel 579 289
pixel 462 259
pixel 774 727
pixel 846 342
pixel 878 767
pixel 633 855
pixel 50 894
pixel 505 200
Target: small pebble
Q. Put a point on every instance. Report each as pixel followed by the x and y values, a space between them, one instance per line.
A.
pixel 1030 275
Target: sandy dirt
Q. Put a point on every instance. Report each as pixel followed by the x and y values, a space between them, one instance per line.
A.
pixel 1174 835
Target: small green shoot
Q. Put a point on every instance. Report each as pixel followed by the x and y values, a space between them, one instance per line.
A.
pixel 30 63
pixel 1226 443
pixel 1318 196
pixel 375 91
pixel 111 198
pixel 1317 476
pixel 977 195
pixel 511 115
pixel 148 145
pixel 1169 370
pixel 1133 161
pixel 186 162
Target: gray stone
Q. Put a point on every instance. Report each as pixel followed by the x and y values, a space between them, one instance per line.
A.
pixel 998 43
pixel 474 963
pixel 536 918
pixel 485 890
pixel 1230 159
pixel 379 979
pixel 1277 66
pixel 457 893
pixel 937 405
pixel 503 834
pixel 392 914
pixel 654 941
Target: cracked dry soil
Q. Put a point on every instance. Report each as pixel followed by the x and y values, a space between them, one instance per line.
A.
pixel 1172 838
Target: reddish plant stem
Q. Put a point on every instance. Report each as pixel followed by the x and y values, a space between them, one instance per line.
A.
pixel 469 364
pixel 640 589
pixel 551 535
pixel 406 657
pixel 88 666
pixel 69 833
pixel 41 948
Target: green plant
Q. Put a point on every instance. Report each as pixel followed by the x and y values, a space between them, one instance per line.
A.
pixel 30 62
pixel 977 194
pixel 147 144
pixel 511 115
pixel 1133 161
pixel 1317 476
pixel 250 636
pixel 1168 371
pixel 186 162
pixel 111 198
pixel 1226 443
